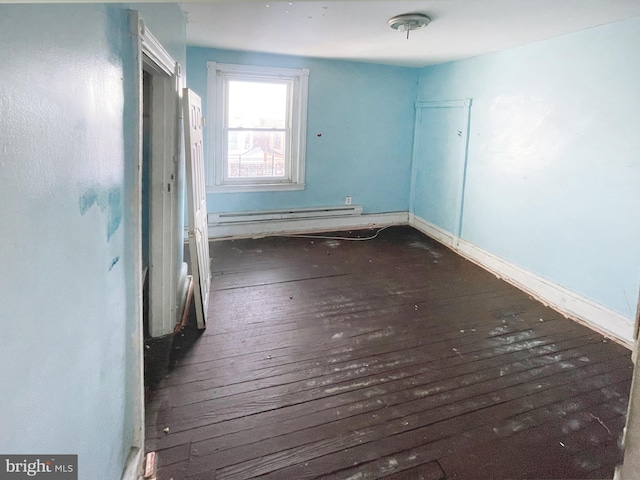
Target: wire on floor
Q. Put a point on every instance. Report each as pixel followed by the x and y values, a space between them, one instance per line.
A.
pixel 327 237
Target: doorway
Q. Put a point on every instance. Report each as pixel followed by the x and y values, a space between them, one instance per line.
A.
pixel 158 200
pixel 157 87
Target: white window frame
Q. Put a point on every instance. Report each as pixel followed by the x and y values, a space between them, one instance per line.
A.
pixel 217 76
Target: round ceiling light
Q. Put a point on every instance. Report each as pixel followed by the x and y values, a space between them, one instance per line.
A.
pixel 408 22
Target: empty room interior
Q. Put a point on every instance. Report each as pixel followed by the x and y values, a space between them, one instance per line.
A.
pixel 403 243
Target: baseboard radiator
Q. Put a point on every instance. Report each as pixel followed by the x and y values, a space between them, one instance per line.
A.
pixel 235 218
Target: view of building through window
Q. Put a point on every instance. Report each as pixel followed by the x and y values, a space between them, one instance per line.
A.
pixel 257 129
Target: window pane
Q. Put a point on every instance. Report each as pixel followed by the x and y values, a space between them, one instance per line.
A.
pixel 258 129
pixel 233 141
pixel 257 104
pixel 257 154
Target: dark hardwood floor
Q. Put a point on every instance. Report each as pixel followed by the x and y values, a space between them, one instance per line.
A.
pixel 386 358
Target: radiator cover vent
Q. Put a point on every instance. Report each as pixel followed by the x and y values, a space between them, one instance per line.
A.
pixel 285 214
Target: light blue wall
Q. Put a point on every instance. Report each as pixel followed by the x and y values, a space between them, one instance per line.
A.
pixel 553 182
pixel 68 213
pixel 364 114
pixel 437 184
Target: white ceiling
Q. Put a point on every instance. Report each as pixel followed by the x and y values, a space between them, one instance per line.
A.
pixel 357 30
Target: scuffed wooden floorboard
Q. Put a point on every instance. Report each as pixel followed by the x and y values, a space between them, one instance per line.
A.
pixel 389 358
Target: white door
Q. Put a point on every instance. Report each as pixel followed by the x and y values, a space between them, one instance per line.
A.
pixel 197 200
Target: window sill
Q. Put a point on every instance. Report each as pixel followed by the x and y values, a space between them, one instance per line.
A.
pixel 258 187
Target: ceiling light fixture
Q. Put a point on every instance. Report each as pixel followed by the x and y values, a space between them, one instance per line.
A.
pixel 408 22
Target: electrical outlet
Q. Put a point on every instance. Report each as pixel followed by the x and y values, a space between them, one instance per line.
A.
pixel 347 200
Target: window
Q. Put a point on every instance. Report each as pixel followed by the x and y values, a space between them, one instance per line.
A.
pixel 258 130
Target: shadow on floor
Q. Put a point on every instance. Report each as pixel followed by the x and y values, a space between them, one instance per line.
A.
pixel 162 353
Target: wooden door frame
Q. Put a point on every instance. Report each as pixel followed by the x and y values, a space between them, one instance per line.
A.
pixel 630 466
pixel 150 55
pixel 165 103
pixel 163 274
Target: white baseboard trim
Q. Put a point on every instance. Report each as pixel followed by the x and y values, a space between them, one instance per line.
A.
pixel 306 225
pixel 568 303
pixel 431 230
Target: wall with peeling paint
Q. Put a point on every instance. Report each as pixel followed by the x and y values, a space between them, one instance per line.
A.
pixel 68 212
pixel 553 173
